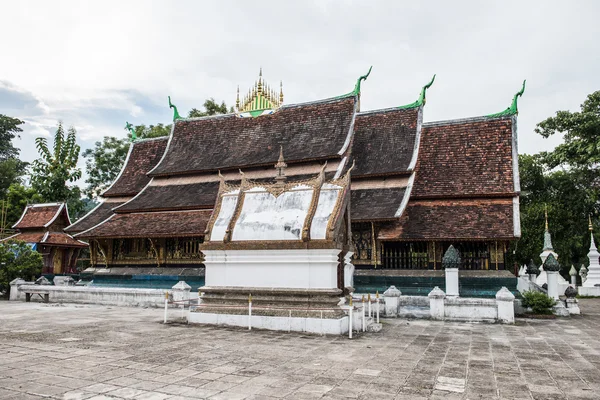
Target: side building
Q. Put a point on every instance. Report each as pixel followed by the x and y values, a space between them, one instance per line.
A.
pixel 41 226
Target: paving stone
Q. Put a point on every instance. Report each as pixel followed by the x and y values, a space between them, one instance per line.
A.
pixel 131 355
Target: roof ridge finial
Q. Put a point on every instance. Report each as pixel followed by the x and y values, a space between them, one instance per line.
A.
pixel 176 115
pixel 513 109
pixel 422 96
pixel 280 166
pixel 131 130
pixel 359 80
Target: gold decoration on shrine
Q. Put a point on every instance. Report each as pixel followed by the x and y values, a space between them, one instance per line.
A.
pixel 260 97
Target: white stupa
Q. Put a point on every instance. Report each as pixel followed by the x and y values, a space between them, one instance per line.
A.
pixel 591 286
pixel 546 251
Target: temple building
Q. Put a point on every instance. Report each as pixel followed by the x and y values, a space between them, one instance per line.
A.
pixel 42 225
pixel 416 188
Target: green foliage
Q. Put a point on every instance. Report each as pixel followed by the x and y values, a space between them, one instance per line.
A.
pixel 151 131
pixel 57 166
pixel 11 168
pixel 570 198
pixel 17 260
pixel 18 196
pixel 581 147
pixel 540 303
pixel 210 108
pixel 103 164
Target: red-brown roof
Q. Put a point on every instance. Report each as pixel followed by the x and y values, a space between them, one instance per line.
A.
pixel 384 141
pixel 142 157
pixel 94 217
pixel 466 219
pixel 48 238
pixel 28 237
pixel 465 158
pixel 310 131
pixel 152 224
pixel 62 239
pixel 41 215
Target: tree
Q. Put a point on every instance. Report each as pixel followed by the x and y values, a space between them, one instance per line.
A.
pixel 11 168
pixel 569 200
pixel 56 167
pixel 103 164
pixel 581 147
pixel 210 108
pixel 152 131
pixel 17 198
pixel 17 260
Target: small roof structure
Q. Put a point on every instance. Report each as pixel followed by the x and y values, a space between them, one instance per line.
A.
pixel 39 216
pixel 289 214
pixel 44 224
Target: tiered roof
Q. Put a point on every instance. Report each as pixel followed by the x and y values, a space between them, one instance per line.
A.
pixel 466 183
pixel 459 177
pixel 143 155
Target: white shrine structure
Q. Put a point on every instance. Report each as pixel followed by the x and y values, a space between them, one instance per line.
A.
pixel 277 254
pixel 591 284
pixel 546 251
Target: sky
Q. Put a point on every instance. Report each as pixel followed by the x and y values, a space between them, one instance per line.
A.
pixel 96 64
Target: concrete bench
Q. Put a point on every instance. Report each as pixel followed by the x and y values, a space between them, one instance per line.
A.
pixel 44 295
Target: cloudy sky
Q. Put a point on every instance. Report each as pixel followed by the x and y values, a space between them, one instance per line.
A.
pixel 97 64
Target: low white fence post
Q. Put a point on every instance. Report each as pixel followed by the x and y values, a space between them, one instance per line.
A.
pixel 364 321
pixel 350 312
pixel 436 303
pixel 506 309
pixel 370 311
pixel 166 306
pixel 377 299
pixel 391 298
pixel 250 312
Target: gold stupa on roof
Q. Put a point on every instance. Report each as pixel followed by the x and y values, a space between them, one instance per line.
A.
pixel 260 97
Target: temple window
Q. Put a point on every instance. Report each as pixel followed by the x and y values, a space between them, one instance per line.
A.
pixel 185 248
pixel 127 249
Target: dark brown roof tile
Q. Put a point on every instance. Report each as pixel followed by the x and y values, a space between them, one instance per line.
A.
pixel 152 224
pixel 316 130
pixel 142 157
pixel 384 141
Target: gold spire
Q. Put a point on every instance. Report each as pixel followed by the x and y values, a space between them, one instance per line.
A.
pixel 590 226
pixel 237 100
pixel 280 92
pixel 546 216
pixel 261 96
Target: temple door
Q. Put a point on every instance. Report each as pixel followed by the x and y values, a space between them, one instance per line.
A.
pixel 57 262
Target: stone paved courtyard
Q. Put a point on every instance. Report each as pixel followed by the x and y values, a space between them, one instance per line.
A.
pixel 94 352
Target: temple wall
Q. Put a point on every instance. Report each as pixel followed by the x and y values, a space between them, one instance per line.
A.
pixel 306 269
pixel 97 295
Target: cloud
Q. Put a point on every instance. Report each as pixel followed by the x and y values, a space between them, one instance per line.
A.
pixel 14 99
pixel 68 64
